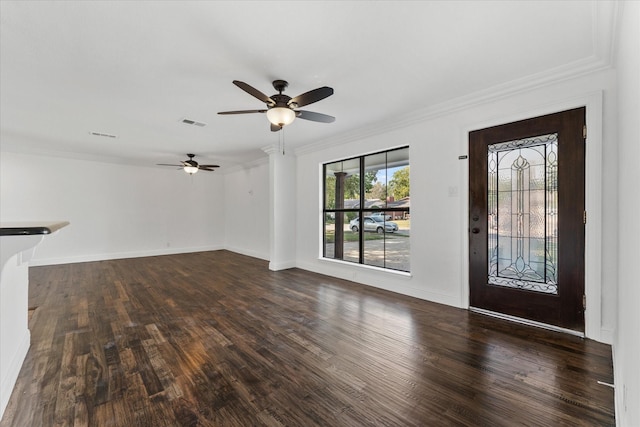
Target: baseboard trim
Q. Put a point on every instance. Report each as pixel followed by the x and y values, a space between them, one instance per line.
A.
pixel 248 252
pixel 122 255
pixel 606 336
pixel 397 282
pixel 284 265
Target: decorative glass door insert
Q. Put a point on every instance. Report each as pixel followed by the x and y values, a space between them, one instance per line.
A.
pixel 522 216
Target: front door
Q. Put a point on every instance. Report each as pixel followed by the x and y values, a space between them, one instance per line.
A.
pixel 526 219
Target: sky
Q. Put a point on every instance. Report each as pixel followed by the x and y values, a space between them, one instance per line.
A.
pixel 385 175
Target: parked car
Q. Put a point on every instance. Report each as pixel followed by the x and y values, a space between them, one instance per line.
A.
pixel 380 215
pixel 379 225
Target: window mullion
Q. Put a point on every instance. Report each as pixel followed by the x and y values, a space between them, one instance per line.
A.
pixel 361 213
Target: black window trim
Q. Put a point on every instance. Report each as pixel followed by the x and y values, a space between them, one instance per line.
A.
pixel 360 210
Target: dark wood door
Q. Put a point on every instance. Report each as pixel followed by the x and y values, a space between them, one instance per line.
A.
pixel 526 219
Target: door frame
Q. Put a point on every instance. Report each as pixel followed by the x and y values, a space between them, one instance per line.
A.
pixel 593 201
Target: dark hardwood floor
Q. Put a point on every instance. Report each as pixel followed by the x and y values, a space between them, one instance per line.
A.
pixel 216 339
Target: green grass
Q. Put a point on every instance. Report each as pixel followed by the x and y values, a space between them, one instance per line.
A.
pixel 350 236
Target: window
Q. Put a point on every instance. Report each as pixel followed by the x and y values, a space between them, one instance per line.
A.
pixel 366 210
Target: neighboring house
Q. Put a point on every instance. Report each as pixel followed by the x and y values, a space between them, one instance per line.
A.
pixel 405 202
pixel 368 204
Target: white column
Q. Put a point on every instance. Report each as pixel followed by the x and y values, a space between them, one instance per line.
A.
pixel 282 208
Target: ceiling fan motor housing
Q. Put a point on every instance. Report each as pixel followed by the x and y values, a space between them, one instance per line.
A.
pixel 281 101
pixel 191 161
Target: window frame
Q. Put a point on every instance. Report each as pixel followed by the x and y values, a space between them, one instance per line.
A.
pixel 360 210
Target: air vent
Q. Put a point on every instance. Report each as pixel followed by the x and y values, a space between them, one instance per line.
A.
pixel 193 122
pixel 106 135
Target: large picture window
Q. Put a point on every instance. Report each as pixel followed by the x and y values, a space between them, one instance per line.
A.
pixel 367 209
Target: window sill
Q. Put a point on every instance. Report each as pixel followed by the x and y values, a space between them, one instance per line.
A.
pixel 398 273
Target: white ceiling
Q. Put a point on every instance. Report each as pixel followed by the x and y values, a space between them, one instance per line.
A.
pixel 135 69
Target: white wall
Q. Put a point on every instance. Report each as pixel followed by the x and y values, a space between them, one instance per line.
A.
pixel 627 341
pixel 246 200
pixel 439 220
pixel 115 211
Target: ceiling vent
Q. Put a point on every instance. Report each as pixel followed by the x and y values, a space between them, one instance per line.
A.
pixel 106 135
pixel 193 122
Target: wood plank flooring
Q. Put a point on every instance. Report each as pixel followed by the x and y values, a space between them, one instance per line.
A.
pixel 216 339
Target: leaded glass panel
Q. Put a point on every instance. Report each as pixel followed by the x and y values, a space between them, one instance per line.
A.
pixel 522 213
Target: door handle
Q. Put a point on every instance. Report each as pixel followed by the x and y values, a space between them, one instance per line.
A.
pixel 475 230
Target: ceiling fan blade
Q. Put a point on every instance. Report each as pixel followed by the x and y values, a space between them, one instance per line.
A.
pixel 315 117
pixel 206 169
pixel 242 112
pixel 254 92
pixel 275 128
pixel 209 166
pixel 311 96
pixel 164 164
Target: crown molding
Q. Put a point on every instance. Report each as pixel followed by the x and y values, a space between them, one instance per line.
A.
pixel 604 30
pixel 248 165
pixel 270 149
pixel 494 93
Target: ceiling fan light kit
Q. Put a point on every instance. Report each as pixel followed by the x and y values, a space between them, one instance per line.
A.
pixel 281 116
pixel 281 108
pixel 191 169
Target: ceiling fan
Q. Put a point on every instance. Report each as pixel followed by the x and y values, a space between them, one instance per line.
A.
pixel 191 166
pixel 281 109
